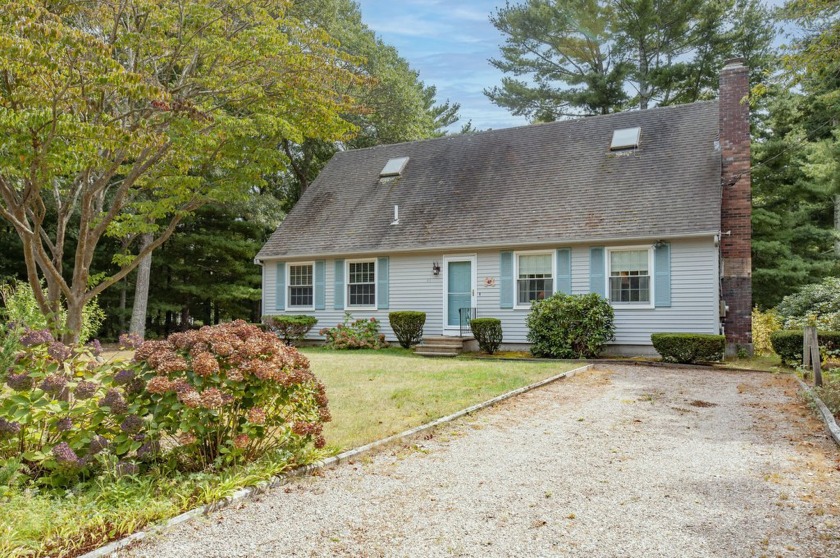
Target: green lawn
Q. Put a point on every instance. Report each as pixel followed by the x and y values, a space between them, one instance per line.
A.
pixel 373 394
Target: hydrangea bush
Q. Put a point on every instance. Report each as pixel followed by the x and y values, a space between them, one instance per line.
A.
pixel 66 415
pixel 355 334
pixel 230 393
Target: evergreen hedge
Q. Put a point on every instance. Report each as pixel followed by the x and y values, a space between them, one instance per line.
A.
pixel 488 333
pixel 407 326
pixel 689 348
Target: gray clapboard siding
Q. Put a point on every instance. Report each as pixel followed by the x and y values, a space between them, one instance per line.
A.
pixel 412 287
pixel 694 294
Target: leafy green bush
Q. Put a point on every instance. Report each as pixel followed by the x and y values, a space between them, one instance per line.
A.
pixel 355 334
pixel 814 305
pixel 407 326
pixel 229 394
pixel 570 326
pixel 689 347
pixel 292 329
pixel 788 344
pixel 65 416
pixel 22 309
pixel 488 333
pixel 763 325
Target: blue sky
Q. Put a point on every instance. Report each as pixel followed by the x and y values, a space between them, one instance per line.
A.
pixel 449 43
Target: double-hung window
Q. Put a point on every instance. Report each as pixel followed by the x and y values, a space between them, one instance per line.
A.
pixel 300 286
pixel 361 284
pixel 629 276
pixel 534 277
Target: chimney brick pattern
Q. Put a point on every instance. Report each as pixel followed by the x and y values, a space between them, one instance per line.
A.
pixel 736 205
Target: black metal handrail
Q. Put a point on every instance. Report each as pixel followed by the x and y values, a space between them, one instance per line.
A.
pixel 465 315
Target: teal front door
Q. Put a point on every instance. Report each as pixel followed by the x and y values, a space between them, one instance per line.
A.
pixel 459 290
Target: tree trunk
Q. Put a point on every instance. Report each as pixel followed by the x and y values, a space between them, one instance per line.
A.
pixel 141 291
pixel 73 326
pixel 123 290
pixel 837 225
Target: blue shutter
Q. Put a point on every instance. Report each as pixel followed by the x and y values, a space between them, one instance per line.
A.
pixel 506 280
pixel 339 285
pixel 320 284
pixel 382 281
pixel 280 287
pixel 662 277
pixel 597 271
pixel 563 281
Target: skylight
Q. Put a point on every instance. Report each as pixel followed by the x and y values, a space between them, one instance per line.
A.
pixel 394 167
pixel 625 138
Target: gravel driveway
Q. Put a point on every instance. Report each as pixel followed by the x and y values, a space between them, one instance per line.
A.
pixel 619 461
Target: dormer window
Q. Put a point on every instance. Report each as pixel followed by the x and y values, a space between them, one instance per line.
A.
pixel 394 167
pixel 626 138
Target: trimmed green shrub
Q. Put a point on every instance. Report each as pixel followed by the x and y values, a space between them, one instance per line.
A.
pixel 407 326
pixel 292 329
pixel 488 333
pixel 355 334
pixel 570 326
pixel 788 344
pixel 689 347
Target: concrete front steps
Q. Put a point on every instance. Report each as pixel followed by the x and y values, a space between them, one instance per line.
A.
pixel 441 346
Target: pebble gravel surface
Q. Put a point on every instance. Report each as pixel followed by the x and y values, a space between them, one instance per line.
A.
pixel 619 461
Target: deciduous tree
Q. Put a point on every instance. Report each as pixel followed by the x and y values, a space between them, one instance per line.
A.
pixel 120 117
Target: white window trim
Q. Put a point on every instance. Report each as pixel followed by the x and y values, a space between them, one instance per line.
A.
pixel 553 257
pixel 347 305
pixel 289 306
pixel 651 272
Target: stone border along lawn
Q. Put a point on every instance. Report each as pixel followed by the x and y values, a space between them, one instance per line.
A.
pixel 621 461
pixel 261 488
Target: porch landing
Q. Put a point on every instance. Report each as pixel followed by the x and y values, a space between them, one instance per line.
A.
pixel 442 346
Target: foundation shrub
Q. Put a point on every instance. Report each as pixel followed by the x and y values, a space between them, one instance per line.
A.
pixel 229 394
pixel 355 334
pixel 407 326
pixel 787 344
pixel 689 348
pixel 570 326
pixel 488 333
pixel 291 329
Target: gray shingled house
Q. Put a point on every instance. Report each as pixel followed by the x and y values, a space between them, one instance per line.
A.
pixel 632 206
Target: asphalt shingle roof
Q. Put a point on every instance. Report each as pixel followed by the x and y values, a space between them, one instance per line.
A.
pixel 550 183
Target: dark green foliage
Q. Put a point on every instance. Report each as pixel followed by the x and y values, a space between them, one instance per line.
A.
pixel 570 326
pixel 788 343
pixel 582 57
pixel 488 333
pixel 291 329
pixel 407 326
pixel 689 347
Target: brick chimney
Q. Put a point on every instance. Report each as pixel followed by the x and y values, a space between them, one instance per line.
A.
pixel 736 206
